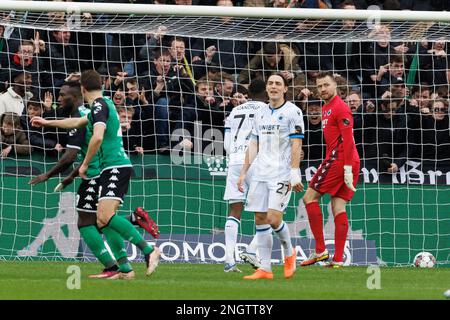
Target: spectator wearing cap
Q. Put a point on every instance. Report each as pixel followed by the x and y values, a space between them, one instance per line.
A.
pixel 17 95
pixel 397 91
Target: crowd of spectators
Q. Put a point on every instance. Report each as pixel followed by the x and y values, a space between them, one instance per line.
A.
pixel 398 92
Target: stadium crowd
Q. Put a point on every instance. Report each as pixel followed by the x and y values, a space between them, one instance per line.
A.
pixel 398 92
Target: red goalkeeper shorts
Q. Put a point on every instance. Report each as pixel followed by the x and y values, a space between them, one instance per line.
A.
pixel 329 178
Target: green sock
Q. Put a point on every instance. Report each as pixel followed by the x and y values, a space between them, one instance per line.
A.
pixel 117 246
pixel 95 242
pixel 129 232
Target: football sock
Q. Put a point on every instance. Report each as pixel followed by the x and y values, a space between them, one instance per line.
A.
pixel 264 240
pixel 231 231
pixel 117 246
pixel 316 224
pixel 128 232
pixel 340 235
pixel 95 242
pixel 285 239
pixel 252 246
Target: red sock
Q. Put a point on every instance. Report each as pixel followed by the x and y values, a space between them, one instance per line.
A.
pixel 340 235
pixel 316 224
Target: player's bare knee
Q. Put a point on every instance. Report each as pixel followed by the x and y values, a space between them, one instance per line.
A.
pixel 236 210
pixel 261 218
pixel 338 205
pixel 86 219
pixel 275 219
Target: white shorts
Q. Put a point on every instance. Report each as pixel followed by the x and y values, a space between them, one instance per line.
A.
pixel 232 193
pixel 264 195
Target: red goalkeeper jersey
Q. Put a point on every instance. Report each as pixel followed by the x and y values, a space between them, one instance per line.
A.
pixel 337 125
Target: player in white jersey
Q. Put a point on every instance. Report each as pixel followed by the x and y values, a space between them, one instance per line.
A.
pixel 238 128
pixel 274 154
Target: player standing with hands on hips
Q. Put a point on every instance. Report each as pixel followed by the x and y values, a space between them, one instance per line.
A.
pixel 337 175
pixel 274 153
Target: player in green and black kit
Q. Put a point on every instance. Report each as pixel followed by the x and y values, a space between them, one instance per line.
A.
pixel 69 99
pixel 116 168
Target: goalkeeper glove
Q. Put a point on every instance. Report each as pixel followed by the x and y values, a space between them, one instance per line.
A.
pixel 348 177
pixel 296 177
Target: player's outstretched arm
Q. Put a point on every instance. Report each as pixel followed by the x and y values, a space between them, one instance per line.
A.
pixel 67 180
pixel 66 160
pixel 68 123
pixel 296 177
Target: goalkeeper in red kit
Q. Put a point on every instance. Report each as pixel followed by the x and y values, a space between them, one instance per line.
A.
pixel 336 176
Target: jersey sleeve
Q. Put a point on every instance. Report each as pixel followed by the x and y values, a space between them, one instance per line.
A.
pixel 99 113
pixel 254 135
pixel 76 138
pixel 296 125
pixel 344 119
pixel 345 124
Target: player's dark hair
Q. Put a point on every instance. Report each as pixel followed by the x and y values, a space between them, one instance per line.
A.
pixel 285 81
pixel 324 74
pixel 257 89
pixel 91 80
pixel 74 87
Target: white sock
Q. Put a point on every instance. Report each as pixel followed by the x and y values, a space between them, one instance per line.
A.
pixel 252 246
pixel 264 242
pixel 231 231
pixel 285 238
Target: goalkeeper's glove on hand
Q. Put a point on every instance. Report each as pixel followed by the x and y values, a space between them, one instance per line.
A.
pixel 348 177
pixel 296 177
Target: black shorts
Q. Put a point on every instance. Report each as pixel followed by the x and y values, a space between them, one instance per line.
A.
pixel 114 183
pixel 87 196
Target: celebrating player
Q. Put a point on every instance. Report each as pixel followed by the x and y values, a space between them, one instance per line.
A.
pixel 337 175
pixel 238 127
pixel 115 166
pixel 274 153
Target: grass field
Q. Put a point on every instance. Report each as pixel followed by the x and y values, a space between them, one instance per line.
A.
pixel 47 280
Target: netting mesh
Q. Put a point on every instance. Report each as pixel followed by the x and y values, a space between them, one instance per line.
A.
pixel 251 29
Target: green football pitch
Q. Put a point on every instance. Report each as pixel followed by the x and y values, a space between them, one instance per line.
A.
pixel 48 280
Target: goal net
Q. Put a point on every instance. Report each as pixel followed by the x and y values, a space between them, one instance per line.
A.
pixel 175 72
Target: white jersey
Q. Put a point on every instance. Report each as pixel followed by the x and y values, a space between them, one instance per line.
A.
pixel 239 125
pixel 273 129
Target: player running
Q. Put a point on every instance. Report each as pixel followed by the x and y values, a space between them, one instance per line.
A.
pixel 71 105
pixel 238 127
pixel 337 175
pixel 115 166
pixel 274 154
